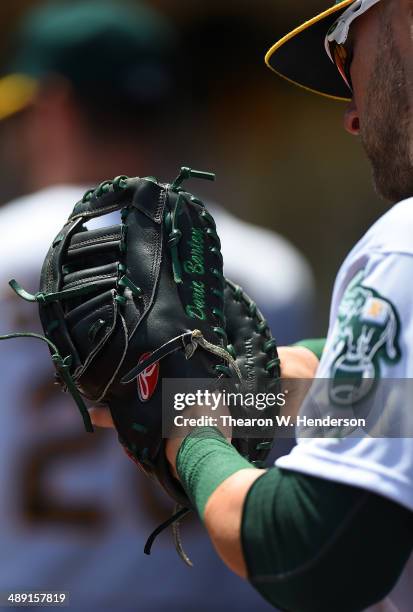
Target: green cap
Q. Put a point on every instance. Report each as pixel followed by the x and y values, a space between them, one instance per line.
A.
pixel 102 47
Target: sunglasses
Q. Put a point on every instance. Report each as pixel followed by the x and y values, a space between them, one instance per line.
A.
pixel 338 35
pixel 342 58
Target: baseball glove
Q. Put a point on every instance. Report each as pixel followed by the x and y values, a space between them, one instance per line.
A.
pixel 125 306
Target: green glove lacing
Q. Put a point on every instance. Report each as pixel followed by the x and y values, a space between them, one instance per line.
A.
pixel 63 364
pixel 117 184
pixel 63 367
pixel 46 298
pixel 262 327
pixel 123 282
pixel 175 236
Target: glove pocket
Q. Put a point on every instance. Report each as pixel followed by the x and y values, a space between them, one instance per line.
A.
pixel 92 323
pixel 100 335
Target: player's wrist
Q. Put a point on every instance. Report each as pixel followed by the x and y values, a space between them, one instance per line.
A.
pixel 205 459
pixel 176 440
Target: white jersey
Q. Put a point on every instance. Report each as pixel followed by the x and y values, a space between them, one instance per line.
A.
pixel 74 511
pixel 371 335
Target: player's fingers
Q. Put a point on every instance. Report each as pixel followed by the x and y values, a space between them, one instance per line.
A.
pixel 101 417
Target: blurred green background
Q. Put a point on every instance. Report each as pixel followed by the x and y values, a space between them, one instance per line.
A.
pixel 282 157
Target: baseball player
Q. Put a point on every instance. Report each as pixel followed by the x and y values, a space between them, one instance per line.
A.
pixel 330 528
pixel 69 539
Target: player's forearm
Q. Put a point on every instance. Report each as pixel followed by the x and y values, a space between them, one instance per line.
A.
pixel 292 534
pixel 216 479
pixel 223 518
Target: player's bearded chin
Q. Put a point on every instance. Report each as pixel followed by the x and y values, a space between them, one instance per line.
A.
pixel 386 124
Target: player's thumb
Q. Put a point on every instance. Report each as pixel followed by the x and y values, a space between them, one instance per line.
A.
pixel 101 417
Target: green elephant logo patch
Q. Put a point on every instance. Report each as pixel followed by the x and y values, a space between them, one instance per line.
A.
pixel 367 334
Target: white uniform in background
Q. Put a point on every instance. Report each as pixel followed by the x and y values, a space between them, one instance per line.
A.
pixel 74 511
pixel 371 336
pixel 272 271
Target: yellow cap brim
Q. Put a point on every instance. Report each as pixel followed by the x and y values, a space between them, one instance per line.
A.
pixel 17 91
pixel 300 57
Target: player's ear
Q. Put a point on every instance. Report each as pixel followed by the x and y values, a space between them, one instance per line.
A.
pixel 101 417
pixel 351 119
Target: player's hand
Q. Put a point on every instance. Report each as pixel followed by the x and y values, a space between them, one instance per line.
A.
pixel 298 369
pixel 297 362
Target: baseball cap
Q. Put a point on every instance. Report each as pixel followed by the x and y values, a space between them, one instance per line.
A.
pixel 103 47
pixel 300 56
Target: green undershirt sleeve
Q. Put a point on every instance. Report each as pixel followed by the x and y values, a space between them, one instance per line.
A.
pixel 312 545
pixel 315 345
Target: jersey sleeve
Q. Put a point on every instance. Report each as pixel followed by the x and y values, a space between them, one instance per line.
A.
pixel 370 342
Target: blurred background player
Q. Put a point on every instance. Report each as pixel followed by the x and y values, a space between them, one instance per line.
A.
pixel 91 90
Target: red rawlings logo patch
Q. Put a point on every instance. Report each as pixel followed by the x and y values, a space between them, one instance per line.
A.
pixel 148 379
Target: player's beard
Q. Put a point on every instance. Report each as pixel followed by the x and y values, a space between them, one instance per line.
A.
pixel 385 128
